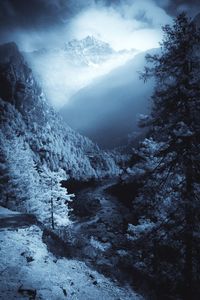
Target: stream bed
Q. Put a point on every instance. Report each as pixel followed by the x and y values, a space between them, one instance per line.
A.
pixel 98 232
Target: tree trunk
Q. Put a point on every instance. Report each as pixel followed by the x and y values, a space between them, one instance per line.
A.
pixel 52 209
pixel 189 224
pixel 52 214
pixel 155 267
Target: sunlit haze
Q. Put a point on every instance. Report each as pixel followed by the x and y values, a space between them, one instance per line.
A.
pixel 129 28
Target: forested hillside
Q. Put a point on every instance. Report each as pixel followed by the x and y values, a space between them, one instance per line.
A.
pixel 35 140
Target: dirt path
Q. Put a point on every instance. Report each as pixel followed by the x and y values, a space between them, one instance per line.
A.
pixel 13 221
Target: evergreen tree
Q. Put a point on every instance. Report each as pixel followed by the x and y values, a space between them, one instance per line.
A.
pixel 4 176
pixel 27 188
pixel 20 188
pixel 171 192
pixel 54 197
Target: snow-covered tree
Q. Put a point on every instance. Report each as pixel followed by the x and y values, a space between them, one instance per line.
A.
pixel 22 178
pixel 4 176
pixel 55 211
pixel 27 188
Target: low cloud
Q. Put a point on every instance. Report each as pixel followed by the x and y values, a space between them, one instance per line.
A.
pixel 131 24
pixel 124 24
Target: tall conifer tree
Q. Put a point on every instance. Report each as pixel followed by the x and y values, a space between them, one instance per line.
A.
pixel 175 122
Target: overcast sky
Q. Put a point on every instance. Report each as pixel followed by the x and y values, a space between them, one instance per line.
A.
pixel 124 24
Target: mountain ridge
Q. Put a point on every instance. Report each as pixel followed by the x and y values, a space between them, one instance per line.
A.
pixel 107 110
pixel 64 71
pixel 88 51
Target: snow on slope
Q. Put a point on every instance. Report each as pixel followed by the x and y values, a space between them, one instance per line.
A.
pixel 4 212
pixel 26 264
pixel 93 52
pixel 88 51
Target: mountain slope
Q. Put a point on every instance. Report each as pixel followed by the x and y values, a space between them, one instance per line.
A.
pixel 33 136
pixel 107 110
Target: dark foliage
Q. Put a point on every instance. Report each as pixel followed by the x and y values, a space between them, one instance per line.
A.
pixel 166 238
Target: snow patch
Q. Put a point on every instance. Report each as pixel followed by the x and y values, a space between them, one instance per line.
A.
pixel 99 245
pixel 5 211
pixel 27 265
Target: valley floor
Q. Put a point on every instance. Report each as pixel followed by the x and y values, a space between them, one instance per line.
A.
pixel 98 233
pixel 29 271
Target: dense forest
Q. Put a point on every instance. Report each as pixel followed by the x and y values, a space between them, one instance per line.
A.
pixel 165 231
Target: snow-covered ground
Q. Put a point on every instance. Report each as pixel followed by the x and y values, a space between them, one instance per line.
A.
pixel 5 211
pixel 26 266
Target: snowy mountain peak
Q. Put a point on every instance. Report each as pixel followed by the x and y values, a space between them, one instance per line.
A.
pixel 89 43
pixel 64 71
pixel 88 51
